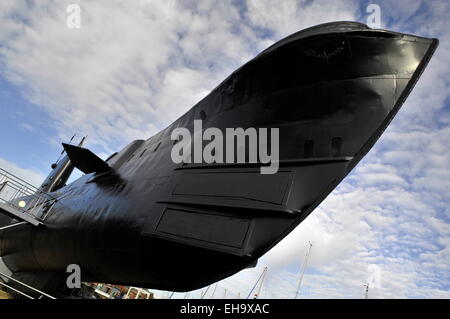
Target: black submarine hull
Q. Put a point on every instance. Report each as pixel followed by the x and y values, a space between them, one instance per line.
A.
pixel 331 90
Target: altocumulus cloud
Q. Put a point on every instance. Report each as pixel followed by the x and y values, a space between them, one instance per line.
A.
pixel 135 66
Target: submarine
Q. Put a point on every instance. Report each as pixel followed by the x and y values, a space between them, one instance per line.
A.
pixel 140 219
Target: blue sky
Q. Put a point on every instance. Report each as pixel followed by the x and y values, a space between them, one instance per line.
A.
pixel 134 67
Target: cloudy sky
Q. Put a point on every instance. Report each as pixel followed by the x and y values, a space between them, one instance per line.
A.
pixel 135 66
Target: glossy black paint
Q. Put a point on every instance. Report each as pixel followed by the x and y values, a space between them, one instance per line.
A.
pixel 331 90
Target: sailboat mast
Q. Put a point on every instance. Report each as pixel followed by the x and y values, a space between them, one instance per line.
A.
pixel 261 283
pixel 302 271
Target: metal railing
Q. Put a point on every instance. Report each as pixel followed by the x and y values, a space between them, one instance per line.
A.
pixel 24 197
pixel 24 287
